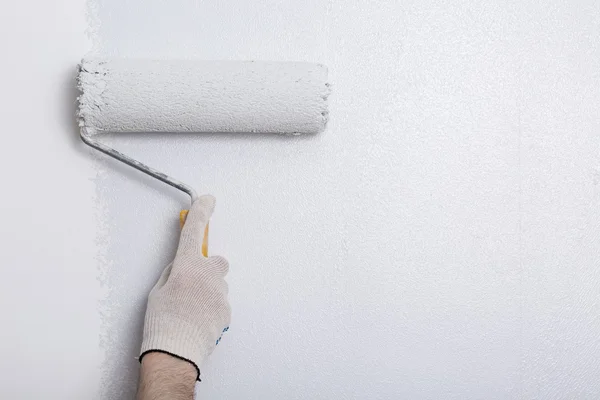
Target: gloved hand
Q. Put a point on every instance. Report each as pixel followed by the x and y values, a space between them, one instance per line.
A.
pixel 187 309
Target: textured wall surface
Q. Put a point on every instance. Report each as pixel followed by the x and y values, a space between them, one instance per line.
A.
pixel 439 241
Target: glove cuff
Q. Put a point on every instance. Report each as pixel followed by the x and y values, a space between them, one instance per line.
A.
pixel 170 335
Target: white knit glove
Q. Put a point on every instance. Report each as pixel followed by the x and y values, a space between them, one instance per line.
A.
pixel 187 309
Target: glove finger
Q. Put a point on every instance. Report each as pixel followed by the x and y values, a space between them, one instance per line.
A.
pixel 164 276
pixel 219 264
pixel 192 232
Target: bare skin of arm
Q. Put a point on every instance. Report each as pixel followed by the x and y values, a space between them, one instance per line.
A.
pixel 164 377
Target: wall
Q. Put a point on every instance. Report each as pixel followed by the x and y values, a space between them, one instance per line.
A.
pixel 439 240
pixel 49 288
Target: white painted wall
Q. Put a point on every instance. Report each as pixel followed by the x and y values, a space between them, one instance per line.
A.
pixel 439 240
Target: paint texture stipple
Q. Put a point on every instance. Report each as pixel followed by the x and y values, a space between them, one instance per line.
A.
pixel 203 96
pixel 438 241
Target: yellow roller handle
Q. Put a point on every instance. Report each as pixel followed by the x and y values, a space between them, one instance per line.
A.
pixel 182 216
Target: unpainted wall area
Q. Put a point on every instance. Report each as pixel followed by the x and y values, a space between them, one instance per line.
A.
pixel 49 287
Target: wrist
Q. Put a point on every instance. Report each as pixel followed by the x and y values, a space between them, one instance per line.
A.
pixel 158 360
pixel 164 373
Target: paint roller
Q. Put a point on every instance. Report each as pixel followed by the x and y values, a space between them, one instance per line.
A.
pixel 126 95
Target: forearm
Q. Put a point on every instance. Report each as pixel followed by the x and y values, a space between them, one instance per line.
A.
pixel 163 377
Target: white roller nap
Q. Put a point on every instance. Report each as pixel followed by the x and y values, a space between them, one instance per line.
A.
pixel 120 95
